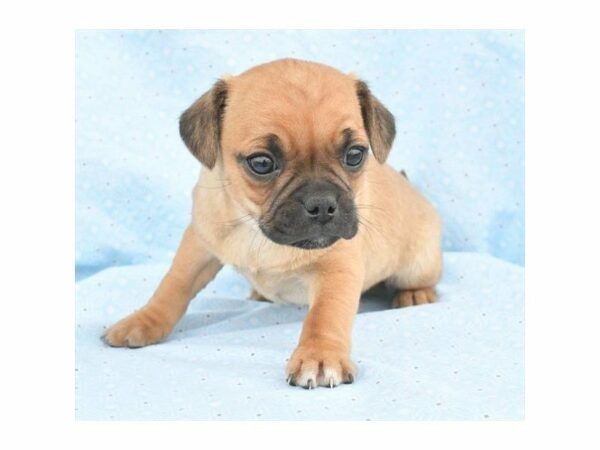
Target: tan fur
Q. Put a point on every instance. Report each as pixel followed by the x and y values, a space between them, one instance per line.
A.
pixel 306 105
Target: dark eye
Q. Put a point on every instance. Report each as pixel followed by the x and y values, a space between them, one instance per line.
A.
pixel 261 164
pixel 354 156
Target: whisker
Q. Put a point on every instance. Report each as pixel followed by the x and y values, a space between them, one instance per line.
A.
pixel 369 226
pixel 234 223
pixel 220 186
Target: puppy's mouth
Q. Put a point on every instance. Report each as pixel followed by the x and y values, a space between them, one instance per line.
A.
pixel 311 244
pixel 310 241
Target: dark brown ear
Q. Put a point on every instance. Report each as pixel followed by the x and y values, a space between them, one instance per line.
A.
pixel 200 124
pixel 378 121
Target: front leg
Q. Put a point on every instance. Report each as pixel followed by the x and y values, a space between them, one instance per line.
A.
pixel 322 357
pixel 192 268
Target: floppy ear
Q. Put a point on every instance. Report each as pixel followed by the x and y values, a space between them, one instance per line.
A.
pixel 378 121
pixel 200 124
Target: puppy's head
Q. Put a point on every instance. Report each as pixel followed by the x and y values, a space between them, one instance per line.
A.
pixel 292 138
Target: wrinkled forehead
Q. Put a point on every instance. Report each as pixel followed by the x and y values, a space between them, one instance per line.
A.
pixel 304 110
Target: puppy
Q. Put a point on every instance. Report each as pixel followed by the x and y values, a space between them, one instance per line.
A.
pixel 296 195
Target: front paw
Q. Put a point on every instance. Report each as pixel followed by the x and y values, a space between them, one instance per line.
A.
pixel 315 364
pixel 143 327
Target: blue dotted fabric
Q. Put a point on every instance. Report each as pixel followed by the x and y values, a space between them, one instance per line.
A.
pixel 459 359
pixel 458 99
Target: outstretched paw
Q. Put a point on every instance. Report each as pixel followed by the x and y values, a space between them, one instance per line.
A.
pixel 137 330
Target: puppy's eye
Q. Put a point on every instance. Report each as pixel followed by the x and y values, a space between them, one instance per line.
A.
pixel 261 164
pixel 354 156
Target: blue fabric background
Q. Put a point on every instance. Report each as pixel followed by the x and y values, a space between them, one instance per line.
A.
pixel 458 99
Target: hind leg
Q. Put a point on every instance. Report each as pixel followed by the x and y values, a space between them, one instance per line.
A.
pixel 415 282
pixel 413 297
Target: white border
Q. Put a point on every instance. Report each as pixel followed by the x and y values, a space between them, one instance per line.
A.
pixel 562 233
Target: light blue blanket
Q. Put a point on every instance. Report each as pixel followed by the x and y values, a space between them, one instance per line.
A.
pixel 461 358
pixel 459 104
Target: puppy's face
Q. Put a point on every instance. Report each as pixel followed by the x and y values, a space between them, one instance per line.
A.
pixel 292 139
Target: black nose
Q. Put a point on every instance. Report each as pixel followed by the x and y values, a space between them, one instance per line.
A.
pixel 321 207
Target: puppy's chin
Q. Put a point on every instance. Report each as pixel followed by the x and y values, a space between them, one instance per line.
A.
pixel 310 244
pixel 313 242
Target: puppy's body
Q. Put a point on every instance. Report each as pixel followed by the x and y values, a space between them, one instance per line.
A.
pixel 291 197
